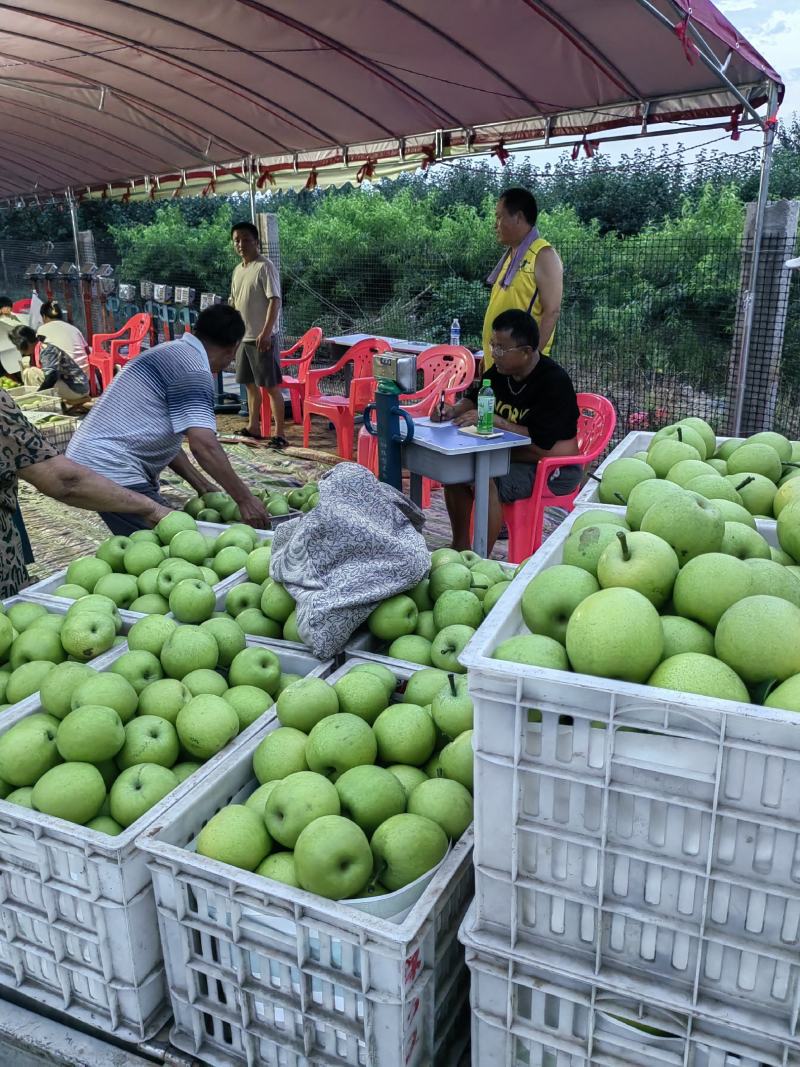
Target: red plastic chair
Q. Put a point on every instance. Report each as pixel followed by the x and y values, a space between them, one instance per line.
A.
pixel 418 405
pixel 122 346
pixel 296 384
pixel 342 410
pixel 433 362
pixel 525 518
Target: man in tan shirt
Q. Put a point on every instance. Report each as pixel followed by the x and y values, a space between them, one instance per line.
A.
pixel 256 295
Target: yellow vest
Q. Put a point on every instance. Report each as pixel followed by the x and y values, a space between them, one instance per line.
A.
pixel 523 293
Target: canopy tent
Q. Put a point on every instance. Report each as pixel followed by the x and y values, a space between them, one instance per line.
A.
pixel 138 98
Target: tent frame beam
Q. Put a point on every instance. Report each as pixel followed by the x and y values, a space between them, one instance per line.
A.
pixel 707 57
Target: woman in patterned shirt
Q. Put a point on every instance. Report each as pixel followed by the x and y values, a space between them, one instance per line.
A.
pixel 26 454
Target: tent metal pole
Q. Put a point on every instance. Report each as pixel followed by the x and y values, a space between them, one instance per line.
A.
pixel 752 281
pixel 73 218
pixel 251 182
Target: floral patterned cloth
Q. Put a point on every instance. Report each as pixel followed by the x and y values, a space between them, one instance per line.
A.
pixel 21 445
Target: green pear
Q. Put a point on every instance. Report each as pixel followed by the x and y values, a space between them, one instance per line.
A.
pixel 692 672
pixel 684 635
pixel 619 477
pixel 640 561
pixel 644 496
pixel 615 633
pixel 759 638
pixel 553 594
pixel 689 523
pixel 708 585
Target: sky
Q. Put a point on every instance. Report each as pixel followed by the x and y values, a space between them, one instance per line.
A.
pixel 773 28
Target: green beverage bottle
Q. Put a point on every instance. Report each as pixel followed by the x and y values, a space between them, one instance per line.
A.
pixel 486 408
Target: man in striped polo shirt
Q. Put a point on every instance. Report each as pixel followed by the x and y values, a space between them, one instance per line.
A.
pixel 166 393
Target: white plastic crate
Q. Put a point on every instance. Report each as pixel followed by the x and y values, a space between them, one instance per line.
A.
pixel 57 605
pixel 638 828
pixel 638 441
pixel 47 586
pixel 78 927
pixel 261 973
pixel 525 1015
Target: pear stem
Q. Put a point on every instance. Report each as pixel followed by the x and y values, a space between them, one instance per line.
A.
pixel 623 540
pixel 747 481
pixel 680 434
pixel 619 496
pixel 452 679
pixel 596 479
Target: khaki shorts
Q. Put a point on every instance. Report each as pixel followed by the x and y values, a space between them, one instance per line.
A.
pixel 259 368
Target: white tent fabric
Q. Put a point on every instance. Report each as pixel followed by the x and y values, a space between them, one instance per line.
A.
pixel 136 98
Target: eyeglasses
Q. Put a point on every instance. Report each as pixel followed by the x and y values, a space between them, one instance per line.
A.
pixel 498 350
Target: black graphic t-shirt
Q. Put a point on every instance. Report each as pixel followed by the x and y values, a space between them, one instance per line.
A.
pixel 544 402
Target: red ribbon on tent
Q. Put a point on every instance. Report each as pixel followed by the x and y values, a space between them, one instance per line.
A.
pixel 126 196
pixel 429 154
pixel 682 33
pixel 211 188
pixel 733 125
pixel 312 180
pixel 264 176
pixel 501 152
pixel 589 148
pixel 366 170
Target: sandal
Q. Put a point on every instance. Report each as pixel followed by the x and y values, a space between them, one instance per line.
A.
pixel 278 442
pixel 249 433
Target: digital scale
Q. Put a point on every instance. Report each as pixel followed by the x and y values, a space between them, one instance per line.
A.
pixel 396 373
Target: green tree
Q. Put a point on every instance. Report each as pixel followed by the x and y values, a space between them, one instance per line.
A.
pixel 171 250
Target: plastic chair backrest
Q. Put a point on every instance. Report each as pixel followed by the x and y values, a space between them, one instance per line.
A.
pixel 139 326
pixel 595 424
pixel 362 387
pixel 308 345
pixel 434 361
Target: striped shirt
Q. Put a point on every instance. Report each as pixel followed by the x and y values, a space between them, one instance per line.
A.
pixel 136 428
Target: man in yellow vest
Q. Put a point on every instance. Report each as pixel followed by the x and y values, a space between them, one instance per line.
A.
pixel 529 276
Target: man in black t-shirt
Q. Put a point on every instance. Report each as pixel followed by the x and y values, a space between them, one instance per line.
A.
pixel 534 396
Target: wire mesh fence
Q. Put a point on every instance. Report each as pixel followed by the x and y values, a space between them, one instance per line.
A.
pixel 651 321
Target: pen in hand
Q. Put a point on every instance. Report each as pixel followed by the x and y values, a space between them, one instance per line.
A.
pixel 440 409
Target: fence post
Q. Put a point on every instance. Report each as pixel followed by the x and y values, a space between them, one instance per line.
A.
pixel 267 223
pixel 770 307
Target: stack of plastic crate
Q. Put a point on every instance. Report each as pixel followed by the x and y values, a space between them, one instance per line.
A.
pixel 637 863
pixel 266 974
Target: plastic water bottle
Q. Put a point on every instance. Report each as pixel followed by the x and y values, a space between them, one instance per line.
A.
pixel 455 332
pixel 486 408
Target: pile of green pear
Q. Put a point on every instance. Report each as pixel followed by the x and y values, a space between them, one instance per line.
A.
pixel 219 507
pixel 429 624
pixel 108 745
pixel 139 572
pixel 756 474
pixel 360 788
pixel 674 594
pixel 432 622
pixel 33 640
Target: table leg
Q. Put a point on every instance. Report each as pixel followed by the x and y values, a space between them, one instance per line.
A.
pixel 480 525
pixel 415 488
